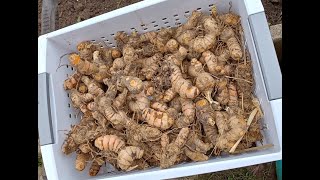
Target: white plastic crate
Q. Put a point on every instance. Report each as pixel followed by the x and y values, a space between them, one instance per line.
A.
pixel 56 114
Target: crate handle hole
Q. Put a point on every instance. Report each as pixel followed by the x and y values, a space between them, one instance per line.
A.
pixel 70 115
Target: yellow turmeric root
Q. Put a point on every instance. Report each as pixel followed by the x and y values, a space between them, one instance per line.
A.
pixel 178 56
pixel 86 50
pixel 78 100
pixel 86 147
pixel 150 65
pixel 93 88
pixel 111 115
pixel 127 155
pixel 222 95
pixel 228 36
pixel 205 113
pixel 94 168
pixel 191 23
pixel 109 143
pixel 172 46
pixel 81 161
pixel 237 128
pixel 120 100
pixel 233 97
pixel 204 81
pixel 169 94
pixel 188 109
pixel 195 156
pixel 100 118
pixel 157 119
pixel 83 66
pixel 133 84
pixel 182 86
pixel 229 19
pixel 159 106
pixel 171 151
pixel 138 102
pixel 196 144
pixel 72 81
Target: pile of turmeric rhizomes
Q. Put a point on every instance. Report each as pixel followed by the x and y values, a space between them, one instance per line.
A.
pixel 163 98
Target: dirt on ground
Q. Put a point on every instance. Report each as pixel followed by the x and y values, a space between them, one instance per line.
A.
pixel 273 10
pixel 71 11
pixel 257 172
pixel 39 16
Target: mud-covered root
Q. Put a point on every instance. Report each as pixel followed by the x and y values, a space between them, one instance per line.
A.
pixel 120 100
pixel 127 155
pixel 229 19
pixel 82 88
pixel 83 66
pixel 86 147
pixel 79 100
pixel 133 84
pixel 178 56
pixel 69 146
pixel 196 144
pixel 204 81
pixel 205 112
pixel 138 102
pixel 228 36
pixel 101 74
pixel 129 54
pixel 117 64
pixel 93 88
pixel 222 95
pixel 186 37
pixel 169 94
pixel 86 50
pixel 195 156
pixel 188 109
pixel 182 86
pixel 81 161
pixel 172 46
pixel 211 133
pixel 222 121
pixel 157 119
pixel 109 143
pixel 100 118
pixel 142 132
pixel 150 65
pixel 191 23
pixel 94 168
pixel 72 81
pixel 159 106
pixel 170 152
pixel 233 96
pixel 237 128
